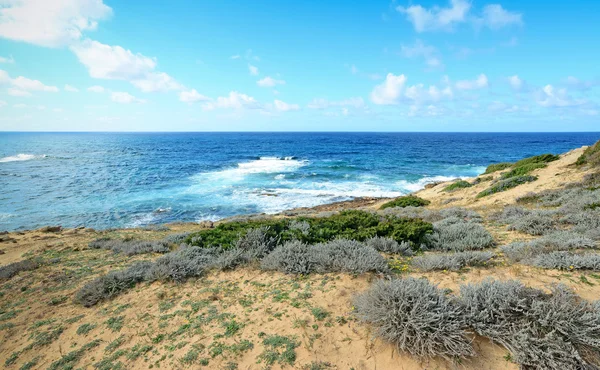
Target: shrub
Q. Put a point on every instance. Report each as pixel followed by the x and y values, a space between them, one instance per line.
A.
pixel 510 214
pixel 497 167
pixel 543 158
pixel 520 251
pixel 535 223
pixel 523 170
pixel 349 256
pixel 406 201
pixel 130 247
pixel 556 241
pixel 462 213
pixel 257 242
pixel 415 316
pixel 112 284
pixel 451 261
pixel 181 264
pixel 460 184
pixel 388 245
pixel 176 238
pixel 568 261
pixel 454 234
pixel 230 259
pixel 507 184
pixel 353 224
pixel 12 269
pixel 542 331
pixel 293 257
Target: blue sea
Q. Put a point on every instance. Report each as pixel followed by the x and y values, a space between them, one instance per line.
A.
pixel 105 180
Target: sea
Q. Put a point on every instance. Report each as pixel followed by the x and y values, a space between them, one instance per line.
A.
pixel 123 180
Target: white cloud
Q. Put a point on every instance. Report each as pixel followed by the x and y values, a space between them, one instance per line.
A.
pixel 253 70
pixel 269 82
pixel 390 91
pixel 9 60
pixel 96 89
pixel 479 83
pixel 157 81
pixel 125 98
pixel 32 85
pixel 234 100
pixel 192 96
pixel 394 91
pixel 18 93
pixel 324 103
pixel 420 50
pixel 285 107
pixel 496 17
pixel 116 63
pixel 436 18
pixel 22 86
pixel 70 88
pixel 50 23
pixel 234 57
pixel 515 82
pixel 549 96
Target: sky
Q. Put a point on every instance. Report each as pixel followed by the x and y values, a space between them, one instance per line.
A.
pixel 417 65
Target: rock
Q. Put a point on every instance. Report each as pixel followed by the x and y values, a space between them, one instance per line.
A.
pixel 71 231
pixel 3 232
pixel 207 224
pixel 2 251
pixel 432 185
pixel 6 239
pixel 50 229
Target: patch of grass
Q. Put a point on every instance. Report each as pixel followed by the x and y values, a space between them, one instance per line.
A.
pixel 279 349
pixel 43 338
pixel 231 328
pixel 497 167
pixel 112 346
pixel 590 156
pixel 405 201
pixel 10 360
pixel 319 314
pixel 30 364
pixel 138 350
pixel 506 185
pixel 115 323
pixel 523 170
pixel 543 158
pixel 460 184
pixel 85 329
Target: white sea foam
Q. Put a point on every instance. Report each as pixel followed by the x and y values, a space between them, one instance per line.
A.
pixel 420 184
pixel 262 165
pixel 20 157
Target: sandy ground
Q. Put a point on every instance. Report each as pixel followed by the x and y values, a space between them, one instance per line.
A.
pixel 221 321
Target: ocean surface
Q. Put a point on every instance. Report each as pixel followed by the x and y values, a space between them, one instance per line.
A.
pixel 104 180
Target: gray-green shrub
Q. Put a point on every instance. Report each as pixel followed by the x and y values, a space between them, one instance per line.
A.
pixel 130 247
pixel 542 331
pixel 415 316
pixel 455 234
pixel 563 260
pixel 389 245
pixel 451 261
pixel 293 257
pixel 12 269
pixel 535 223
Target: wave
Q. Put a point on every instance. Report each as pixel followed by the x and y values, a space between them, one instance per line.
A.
pixel 20 157
pixel 420 184
pixel 261 165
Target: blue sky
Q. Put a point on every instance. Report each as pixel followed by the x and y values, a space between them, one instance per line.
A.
pixel 420 65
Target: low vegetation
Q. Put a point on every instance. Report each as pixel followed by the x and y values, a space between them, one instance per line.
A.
pixel 461 184
pixel 497 167
pixel 405 201
pixel 591 156
pixel 506 184
pixel 452 261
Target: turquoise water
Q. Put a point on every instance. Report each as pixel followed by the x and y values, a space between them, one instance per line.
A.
pixel 106 180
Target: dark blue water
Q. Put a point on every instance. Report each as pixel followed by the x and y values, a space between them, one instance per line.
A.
pixel 131 179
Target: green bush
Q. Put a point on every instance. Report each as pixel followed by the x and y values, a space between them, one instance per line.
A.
pixel 353 225
pixel 507 184
pixel 406 201
pixel 523 170
pixel 497 167
pixel 543 158
pixel 590 156
pixel 460 184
